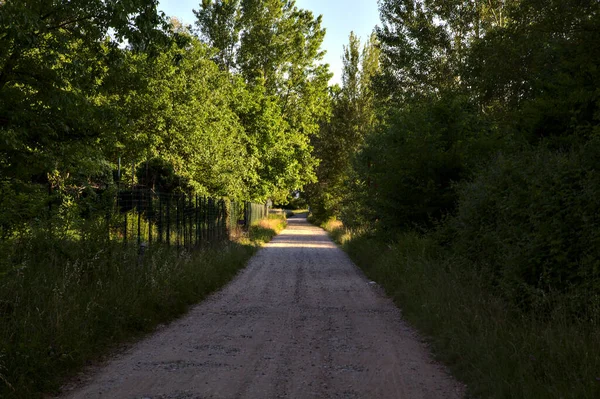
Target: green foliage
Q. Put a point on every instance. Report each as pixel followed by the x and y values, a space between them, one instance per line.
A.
pixel 219 23
pixel 477 186
pixel 530 222
pixel 498 350
pixel 54 60
pixel 539 73
pixel 183 112
pixel 74 100
pixel 275 47
pixel 413 165
pixel 344 134
pixel 66 299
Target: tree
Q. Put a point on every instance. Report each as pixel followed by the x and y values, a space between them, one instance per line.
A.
pixel 219 25
pixel 342 137
pixel 538 74
pixel 276 48
pixel 183 112
pixel 54 59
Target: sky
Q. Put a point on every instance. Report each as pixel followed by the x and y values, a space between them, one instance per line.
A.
pixel 340 17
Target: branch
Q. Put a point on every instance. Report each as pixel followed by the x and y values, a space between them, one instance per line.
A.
pixel 69 22
pixel 8 68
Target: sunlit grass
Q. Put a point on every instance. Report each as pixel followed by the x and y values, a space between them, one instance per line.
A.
pixel 265 229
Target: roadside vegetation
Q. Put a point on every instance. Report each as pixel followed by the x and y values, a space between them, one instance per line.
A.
pixel 265 229
pixel 458 161
pixel 66 302
pixel 460 172
pixel 497 348
pixel 116 121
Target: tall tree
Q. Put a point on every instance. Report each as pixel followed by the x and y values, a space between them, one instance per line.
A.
pixel 54 59
pixel 219 25
pixel 183 113
pixel 277 51
pixel 353 119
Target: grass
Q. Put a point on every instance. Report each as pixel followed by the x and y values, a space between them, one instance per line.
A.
pixel 265 229
pixel 64 303
pixel 497 350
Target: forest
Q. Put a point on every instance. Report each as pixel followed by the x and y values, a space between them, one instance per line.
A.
pixel 457 163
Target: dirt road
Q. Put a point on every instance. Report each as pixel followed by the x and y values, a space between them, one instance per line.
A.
pixel 300 321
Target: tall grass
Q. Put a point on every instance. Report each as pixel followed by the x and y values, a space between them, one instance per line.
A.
pixel 498 350
pixel 263 230
pixel 63 302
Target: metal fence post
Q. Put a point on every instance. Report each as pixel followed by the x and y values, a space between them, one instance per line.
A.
pixel 139 215
pixel 168 220
pixel 177 224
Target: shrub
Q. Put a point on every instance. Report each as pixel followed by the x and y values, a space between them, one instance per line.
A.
pixel 531 221
pixel 412 167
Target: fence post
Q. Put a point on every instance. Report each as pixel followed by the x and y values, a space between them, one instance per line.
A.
pixel 183 222
pixel 177 224
pixel 210 221
pixel 160 221
pixel 125 227
pixel 223 220
pixel 168 220
pixel 205 218
pixel 196 222
pixel 191 216
pixel 150 213
pixel 139 215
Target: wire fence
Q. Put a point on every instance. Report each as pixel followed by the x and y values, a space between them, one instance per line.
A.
pixel 181 220
pixel 135 215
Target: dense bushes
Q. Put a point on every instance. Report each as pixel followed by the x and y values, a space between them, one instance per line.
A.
pixel 478 188
pixel 530 221
pixel 413 163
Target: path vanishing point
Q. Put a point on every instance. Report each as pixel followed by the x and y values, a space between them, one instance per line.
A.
pixel 300 321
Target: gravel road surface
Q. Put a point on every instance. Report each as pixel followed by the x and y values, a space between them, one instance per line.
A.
pixel 300 321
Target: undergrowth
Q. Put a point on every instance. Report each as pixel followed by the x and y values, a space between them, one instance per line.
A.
pixel 63 303
pixel 497 349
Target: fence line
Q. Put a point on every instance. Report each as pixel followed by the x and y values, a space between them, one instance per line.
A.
pixel 185 221
pixel 137 215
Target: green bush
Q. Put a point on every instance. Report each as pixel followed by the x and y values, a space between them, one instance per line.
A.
pixel 531 222
pixel 412 167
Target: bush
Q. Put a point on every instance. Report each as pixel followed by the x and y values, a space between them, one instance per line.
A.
pixel 530 220
pixel 498 350
pixel 412 167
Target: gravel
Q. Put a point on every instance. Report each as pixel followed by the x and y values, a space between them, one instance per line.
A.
pixel 300 321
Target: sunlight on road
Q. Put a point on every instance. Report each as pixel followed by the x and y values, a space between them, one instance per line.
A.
pixel 301 244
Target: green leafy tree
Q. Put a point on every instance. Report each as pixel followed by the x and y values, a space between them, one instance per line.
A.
pixel 276 49
pixel 538 73
pixel 342 137
pixel 183 113
pixel 55 59
pixel 219 24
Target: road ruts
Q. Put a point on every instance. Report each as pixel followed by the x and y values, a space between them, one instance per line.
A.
pixel 300 321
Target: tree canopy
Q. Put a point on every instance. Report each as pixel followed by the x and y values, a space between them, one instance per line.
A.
pixel 86 85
